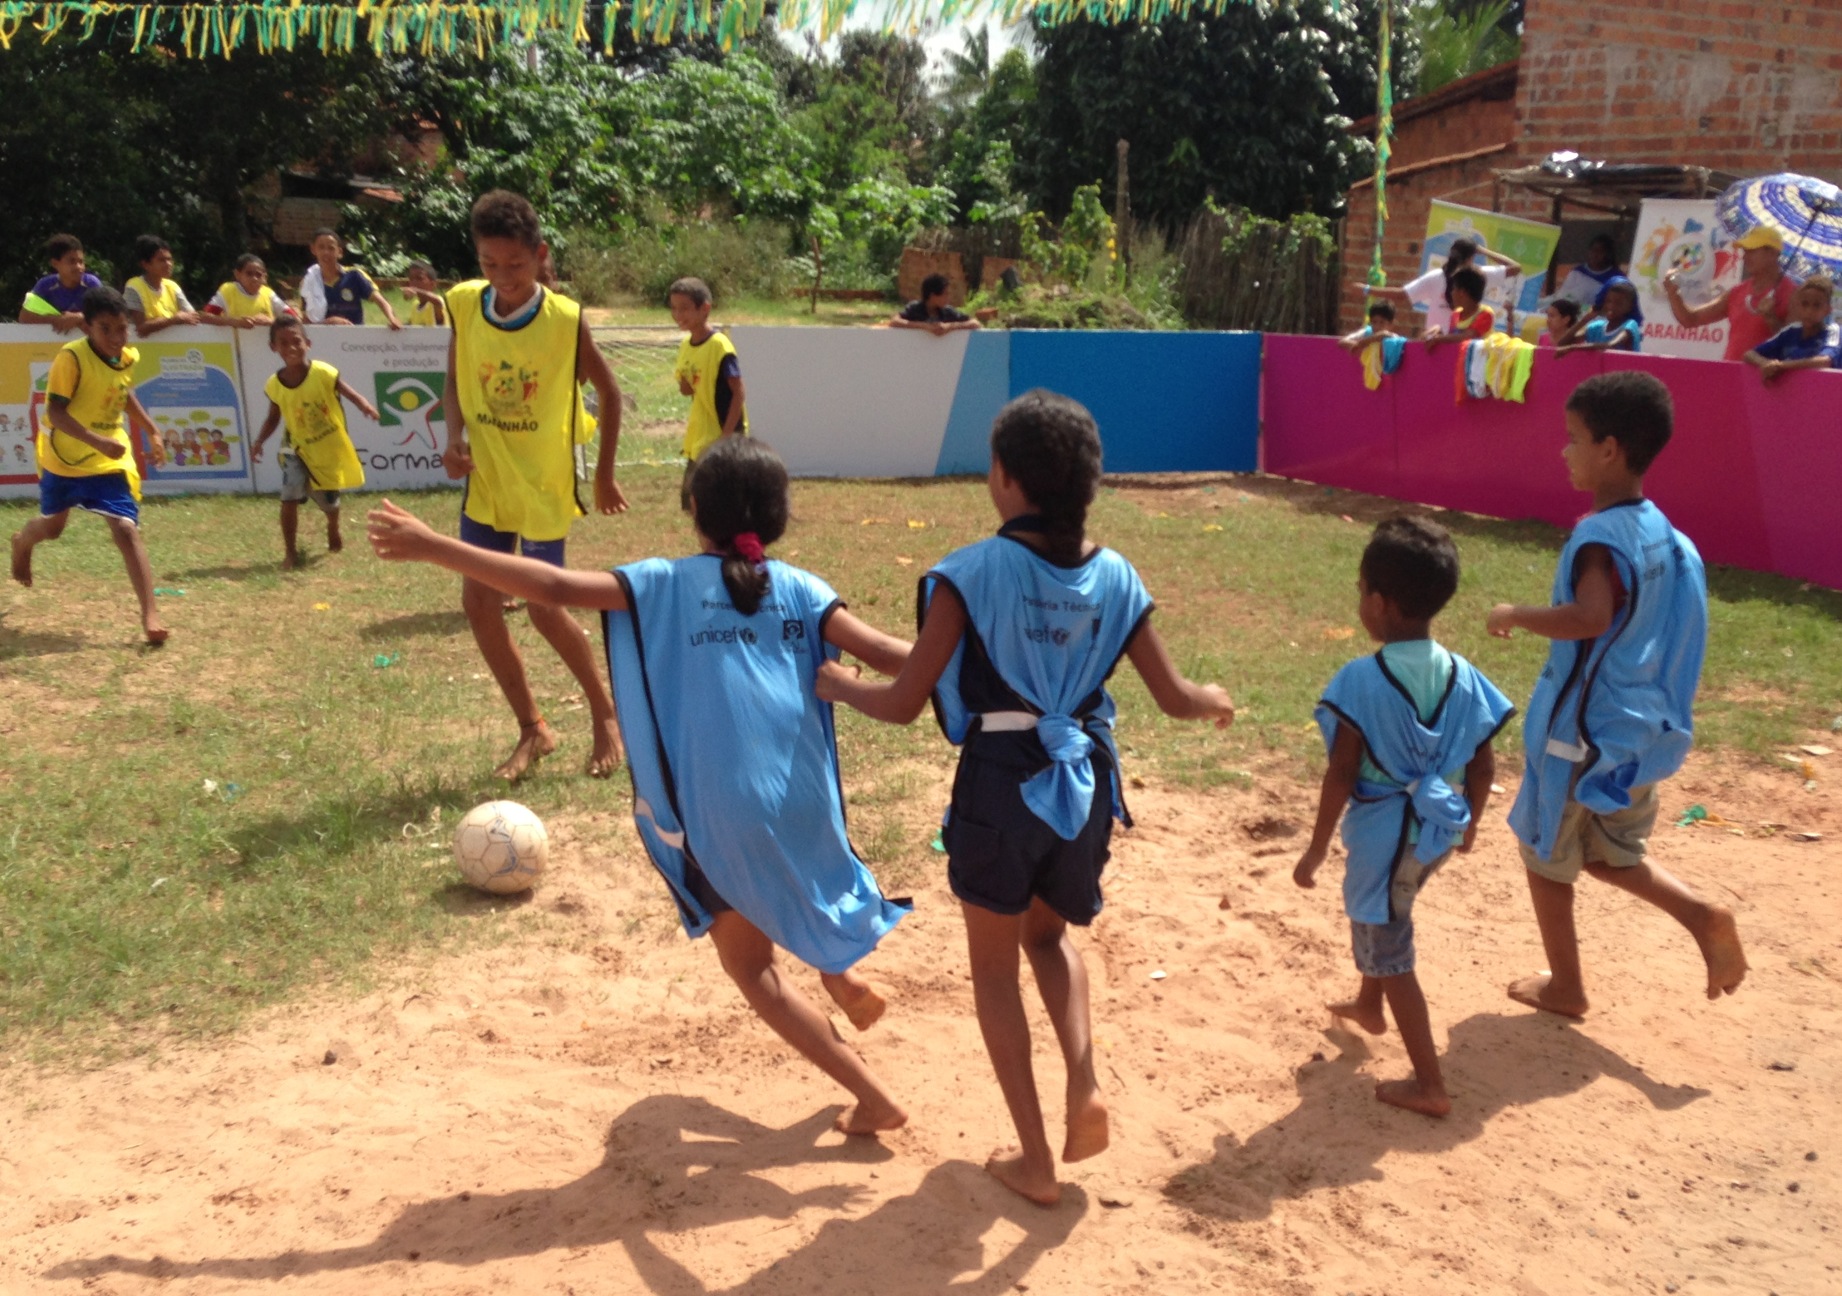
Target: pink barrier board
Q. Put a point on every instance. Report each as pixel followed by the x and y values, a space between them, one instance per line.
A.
pixel 1752 473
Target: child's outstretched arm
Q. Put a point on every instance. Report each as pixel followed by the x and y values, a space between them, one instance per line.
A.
pixel 365 407
pixel 1338 786
pixel 1479 775
pixel 1176 696
pixel 398 535
pixel 592 365
pixel 1595 602
pixel 269 424
pixel 904 697
pixel 882 653
pixel 139 417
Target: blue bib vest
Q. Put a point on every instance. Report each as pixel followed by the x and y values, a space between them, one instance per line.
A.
pixel 1419 758
pixel 1616 713
pixel 734 759
pixel 1040 642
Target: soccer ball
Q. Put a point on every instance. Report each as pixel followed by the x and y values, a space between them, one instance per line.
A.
pixel 501 847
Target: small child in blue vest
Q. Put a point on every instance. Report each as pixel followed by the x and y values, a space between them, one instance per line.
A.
pixel 1611 714
pixel 1400 726
pixel 1019 634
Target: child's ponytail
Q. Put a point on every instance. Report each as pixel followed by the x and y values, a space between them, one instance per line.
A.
pixel 1049 446
pixel 739 493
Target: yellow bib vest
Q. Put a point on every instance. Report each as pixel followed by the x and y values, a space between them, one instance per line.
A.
pixel 241 305
pixel 522 408
pixel 97 392
pixel 156 303
pixel 314 422
pixel 702 367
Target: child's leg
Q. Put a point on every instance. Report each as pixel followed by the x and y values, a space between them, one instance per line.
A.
pixel 31 535
pixel 1425 1093
pixel 328 502
pixel 572 645
pixel 1365 1009
pixel 290 532
pixel 1711 925
pixel 1560 989
pixel 481 604
pixel 127 537
pixel 748 958
pixel 862 1000
pixel 993 940
pixel 1061 978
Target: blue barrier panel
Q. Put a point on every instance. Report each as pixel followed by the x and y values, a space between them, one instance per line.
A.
pixel 1165 402
pixel 984 386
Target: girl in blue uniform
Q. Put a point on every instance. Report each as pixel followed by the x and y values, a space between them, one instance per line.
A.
pixel 1019 634
pixel 734 759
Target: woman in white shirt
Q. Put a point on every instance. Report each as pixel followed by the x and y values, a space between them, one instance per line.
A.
pixel 1428 292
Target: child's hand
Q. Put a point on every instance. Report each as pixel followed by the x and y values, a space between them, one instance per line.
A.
pixel 1306 870
pixel 250 321
pixel 156 447
pixel 1771 369
pixel 366 408
pixel 68 322
pixel 396 533
pixel 1469 840
pixel 609 498
pixel 255 453
pixel 835 679
pixel 187 317
pixel 684 386
pixel 1218 706
pixel 457 460
pixel 395 323
pixel 1501 620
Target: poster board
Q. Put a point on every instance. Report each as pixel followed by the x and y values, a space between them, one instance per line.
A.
pixel 1682 234
pixel 1529 243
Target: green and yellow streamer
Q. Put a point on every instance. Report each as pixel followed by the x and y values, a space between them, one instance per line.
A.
pixel 1384 138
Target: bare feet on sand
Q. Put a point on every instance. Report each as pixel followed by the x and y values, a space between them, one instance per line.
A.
pixel 155 630
pixel 1007 1167
pixel 22 561
pixel 864 1002
pixel 1353 1010
pixel 1720 946
pixel 870 1118
pixel 535 741
pixel 1537 992
pixel 608 753
pixel 1088 1132
pixel 1409 1095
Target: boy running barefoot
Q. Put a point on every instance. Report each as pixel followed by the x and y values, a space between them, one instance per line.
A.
pixel 1401 725
pixel 1611 714
pixel 85 459
pixel 517 357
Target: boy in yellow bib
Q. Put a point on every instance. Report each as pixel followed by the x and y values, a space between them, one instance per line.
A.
pixel 318 459
pixel 708 372
pixel 246 300
pixel 155 299
pixel 427 308
pixel 517 357
pixel 85 458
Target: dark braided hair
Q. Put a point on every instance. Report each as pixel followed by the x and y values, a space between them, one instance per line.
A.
pixel 1049 446
pixel 740 485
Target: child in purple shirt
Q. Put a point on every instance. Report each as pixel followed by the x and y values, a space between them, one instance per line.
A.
pixel 57 299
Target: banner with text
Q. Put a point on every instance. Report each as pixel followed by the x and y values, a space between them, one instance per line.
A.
pixel 1529 243
pixel 1681 234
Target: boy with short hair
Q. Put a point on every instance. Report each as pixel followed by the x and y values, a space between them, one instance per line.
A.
pixel 245 300
pixel 333 294
pixel 318 459
pixel 85 457
pixel 1612 711
pixel 1376 344
pixel 155 299
pixel 931 312
pixel 517 357
pixel 709 373
pixel 1400 727
pixel 1471 319
pixel 426 307
pixel 1810 341
pixel 1563 321
pixel 1381 325
pixel 57 299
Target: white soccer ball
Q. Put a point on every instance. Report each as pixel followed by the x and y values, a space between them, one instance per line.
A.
pixel 501 847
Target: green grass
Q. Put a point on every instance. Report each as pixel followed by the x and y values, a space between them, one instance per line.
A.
pixel 139 902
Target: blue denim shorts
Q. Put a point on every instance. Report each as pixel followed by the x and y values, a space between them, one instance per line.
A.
pixel 1386 949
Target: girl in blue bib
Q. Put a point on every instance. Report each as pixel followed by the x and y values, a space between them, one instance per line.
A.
pixel 1018 636
pixel 734 760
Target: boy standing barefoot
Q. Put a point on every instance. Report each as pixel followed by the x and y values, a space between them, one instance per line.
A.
pixel 1611 714
pixel 516 361
pixel 1400 726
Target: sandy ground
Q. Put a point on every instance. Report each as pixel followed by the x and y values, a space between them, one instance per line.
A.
pixel 589 1108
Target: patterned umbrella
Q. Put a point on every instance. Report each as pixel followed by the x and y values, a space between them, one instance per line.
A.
pixel 1807 211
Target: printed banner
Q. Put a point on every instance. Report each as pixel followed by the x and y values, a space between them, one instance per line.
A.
pixel 1681 234
pixel 1529 243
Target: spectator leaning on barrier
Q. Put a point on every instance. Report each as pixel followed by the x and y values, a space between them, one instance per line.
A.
pixel 1431 292
pixel 1587 282
pixel 155 299
pixel 1563 322
pixel 1470 318
pixel 931 312
pixel 1614 326
pixel 1812 342
pixel 57 299
pixel 1755 308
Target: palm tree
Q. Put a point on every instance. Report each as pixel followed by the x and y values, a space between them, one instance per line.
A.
pixel 968 70
pixel 1458 38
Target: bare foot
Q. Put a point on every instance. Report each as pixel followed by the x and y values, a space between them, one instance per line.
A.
pixel 535 741
pixel 22 561
pixel 608 753
pixel 1409 1095
pixel 1087 1129
pixel 870 1118
pixel 1007 1168
pixel 334 541
pixel 293 561
pixel 1720 946
pixel 1354 1010
pixel 864 1002
pixel 155 630
pixel 1535 991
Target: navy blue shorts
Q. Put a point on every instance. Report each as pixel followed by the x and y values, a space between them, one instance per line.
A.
pixel 104 493
pixel 481 536
pixel 1000 856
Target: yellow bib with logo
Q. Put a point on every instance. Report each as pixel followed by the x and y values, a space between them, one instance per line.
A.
pixel 522 409
pixel 97 396
pixel 421 314
pixel 156 303
pixel 702 367
pixel 313 419
pixel 241 305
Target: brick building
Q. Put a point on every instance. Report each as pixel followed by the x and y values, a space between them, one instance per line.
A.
pixel 1734 87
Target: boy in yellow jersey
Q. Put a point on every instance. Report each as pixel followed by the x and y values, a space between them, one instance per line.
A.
pixel 85 459
pixel 707 372
pixel 318 459
pixel 247 301
pixel 427 309
pixel 517 358
pixel 155 299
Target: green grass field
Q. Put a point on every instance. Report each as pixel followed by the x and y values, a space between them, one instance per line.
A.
pixel 264 806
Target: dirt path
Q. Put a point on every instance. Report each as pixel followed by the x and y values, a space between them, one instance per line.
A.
pixel 591 1109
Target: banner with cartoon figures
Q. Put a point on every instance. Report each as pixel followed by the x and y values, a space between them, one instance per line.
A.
pixel 1681 234
pixel 1529 243
pixel 399 371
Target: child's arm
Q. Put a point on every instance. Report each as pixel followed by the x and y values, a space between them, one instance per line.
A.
pixel 1595 602
pixel 269 425
pixel 57 410
pixel 882 653
pixel 1176 696
pixel 440 306
pixel 592 365
pixel 736 398
pixel 1356 341
pixel 902 699
pixel 1692 316
pixel 139 417
pixel 397 535
pixel 1479 775
pixel 383 304
pixel 1338 787
pixel 456 459
pixel 346 390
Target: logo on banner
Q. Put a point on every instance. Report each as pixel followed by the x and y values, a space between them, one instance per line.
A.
pixel 412 401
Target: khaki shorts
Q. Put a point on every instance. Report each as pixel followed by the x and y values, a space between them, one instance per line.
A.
pixel 1585 837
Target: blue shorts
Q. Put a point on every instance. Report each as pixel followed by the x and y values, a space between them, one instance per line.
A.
pixel 1386 949
pixel 481 536
pixel 104 493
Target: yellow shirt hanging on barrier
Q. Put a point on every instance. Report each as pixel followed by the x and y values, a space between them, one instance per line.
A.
pixel 96 391
pixel 313 420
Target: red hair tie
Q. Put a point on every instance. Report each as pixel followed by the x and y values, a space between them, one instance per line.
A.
pixel 748 546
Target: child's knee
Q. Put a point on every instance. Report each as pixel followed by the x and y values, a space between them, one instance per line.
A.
pixel 123 532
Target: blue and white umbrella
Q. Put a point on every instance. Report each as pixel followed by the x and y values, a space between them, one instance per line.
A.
pixel 1807 211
